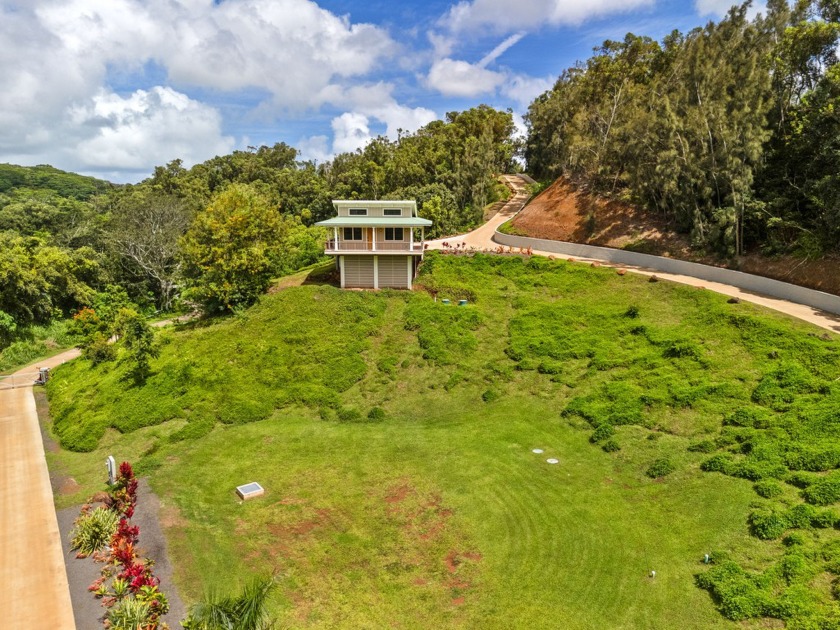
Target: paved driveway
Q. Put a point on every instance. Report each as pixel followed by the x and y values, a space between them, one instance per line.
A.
pixel 34 594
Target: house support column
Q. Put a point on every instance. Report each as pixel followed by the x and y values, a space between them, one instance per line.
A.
pixel 373 232
pixel 335 235
pixel 410 270
pixel 341 264
pixel 411 239
pixel 376 272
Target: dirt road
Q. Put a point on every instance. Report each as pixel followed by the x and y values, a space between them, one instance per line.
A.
pixel 34 593
pixel 482 239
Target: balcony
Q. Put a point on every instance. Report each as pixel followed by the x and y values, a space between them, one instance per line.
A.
pixel 364 247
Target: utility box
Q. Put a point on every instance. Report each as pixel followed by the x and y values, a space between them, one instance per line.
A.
pixel 43 376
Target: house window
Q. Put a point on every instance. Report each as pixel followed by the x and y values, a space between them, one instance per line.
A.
pixel 353 234
pixel 393 234
pixel 392 212
pixel 358 212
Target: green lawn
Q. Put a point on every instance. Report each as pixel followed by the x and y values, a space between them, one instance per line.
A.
pixel 439 514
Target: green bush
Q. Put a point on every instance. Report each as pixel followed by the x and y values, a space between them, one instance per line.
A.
pixel 611 446
pixel 602 432
pixel 490 395
pixel 768 524
pixel 824 492
pixel 93 530
pixel 721 463
pixel 768 488
pixel 738 595
pixel 349 414
pixel 99 349
pixel 376 414
pixel 660 467
pixel 703 446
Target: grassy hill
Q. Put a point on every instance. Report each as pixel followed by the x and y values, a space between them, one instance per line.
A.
pixel 395 434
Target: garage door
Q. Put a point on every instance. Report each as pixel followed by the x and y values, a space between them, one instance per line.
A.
pixel 358 272
pixel 393 272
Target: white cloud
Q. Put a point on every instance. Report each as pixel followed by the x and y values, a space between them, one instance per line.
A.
pixel 314 148
pixel 719 8
pixel 351 131
pixel 501 17
pixel 453 77
pixel 524 89
pixel 57 57
pixel 158 125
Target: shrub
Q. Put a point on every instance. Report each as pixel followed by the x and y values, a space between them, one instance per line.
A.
pixel 768 488
pixel 794 539
pixel 735 590
pixel 632 312
pixel 767 524
pixel 660 468
pixel 349 414
pixel 490 395
pixel 93 530
pixel 98 349
pixel 704 446
pixel 611 446
pixel 721 463
pixel 682 350
pixel 824 492
pixel 376 414
pixel 602 432
pixel 801 479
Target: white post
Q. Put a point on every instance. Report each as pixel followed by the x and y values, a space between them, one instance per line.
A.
pixel 410 261
pixel 341 264
pixel 374 242
pixel 335 234
pixel 376 272
pixel 411 239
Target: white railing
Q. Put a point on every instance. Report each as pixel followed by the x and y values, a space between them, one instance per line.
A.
pixel 381 246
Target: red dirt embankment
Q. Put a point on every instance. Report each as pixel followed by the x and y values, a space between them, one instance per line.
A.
pixel 563 213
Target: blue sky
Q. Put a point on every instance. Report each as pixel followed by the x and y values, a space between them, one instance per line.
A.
pixel 113 88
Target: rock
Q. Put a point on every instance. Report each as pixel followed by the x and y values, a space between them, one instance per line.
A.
pixel 595 264
pixel 621 272
pixel 733 300
pixel 653 279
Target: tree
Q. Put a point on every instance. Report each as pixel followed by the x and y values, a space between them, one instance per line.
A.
pixel 145 230
pixel 230 252
pixel 138 338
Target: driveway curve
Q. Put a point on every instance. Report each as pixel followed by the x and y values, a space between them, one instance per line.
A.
pixel 481 239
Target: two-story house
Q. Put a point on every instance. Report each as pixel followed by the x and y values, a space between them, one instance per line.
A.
pixel 377 244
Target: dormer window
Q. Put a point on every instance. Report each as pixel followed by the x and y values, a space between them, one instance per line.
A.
pixel 392 212
pixel 358 212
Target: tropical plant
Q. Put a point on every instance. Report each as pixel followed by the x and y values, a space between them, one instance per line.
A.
pixel 245 611
pixel 93 530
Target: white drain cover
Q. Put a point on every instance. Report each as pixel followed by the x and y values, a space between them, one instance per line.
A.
pixel 537 451
pixel 551 460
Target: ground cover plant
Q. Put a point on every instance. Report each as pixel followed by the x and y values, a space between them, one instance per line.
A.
pixel 394 435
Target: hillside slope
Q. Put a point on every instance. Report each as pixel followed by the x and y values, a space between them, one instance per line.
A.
pixel 395 435
pixel 563 213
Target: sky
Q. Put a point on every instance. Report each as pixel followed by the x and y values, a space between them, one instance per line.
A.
pixel 113 88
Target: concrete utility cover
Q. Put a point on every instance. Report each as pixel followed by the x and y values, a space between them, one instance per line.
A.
pixel 250 490
pixel 551 460
pixel 537 451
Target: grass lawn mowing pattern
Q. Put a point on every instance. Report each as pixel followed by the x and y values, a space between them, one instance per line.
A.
pixel 393 435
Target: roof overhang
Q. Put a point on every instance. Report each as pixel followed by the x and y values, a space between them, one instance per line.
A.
pixel 375 222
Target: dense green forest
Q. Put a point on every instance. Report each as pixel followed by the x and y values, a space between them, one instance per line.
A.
pixel 69 241
pixel 731 130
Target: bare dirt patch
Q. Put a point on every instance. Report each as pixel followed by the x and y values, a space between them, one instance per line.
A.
pixel 564 213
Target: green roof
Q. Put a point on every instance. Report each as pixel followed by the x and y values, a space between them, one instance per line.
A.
pixel 375 222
